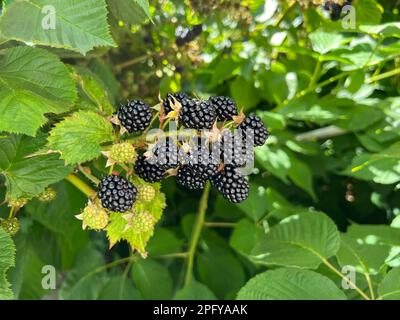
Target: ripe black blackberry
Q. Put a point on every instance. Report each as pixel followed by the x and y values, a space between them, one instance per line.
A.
pixel 167 102
pixel 253 128
pixel 135 116
pixel 197 114
pixel 187 178
pixel 147 171
pixel 233 150
pixel 184 35
pixel 116 193
pixel 231 184
pixel 166 154
pixel 335 9
pixel 225 107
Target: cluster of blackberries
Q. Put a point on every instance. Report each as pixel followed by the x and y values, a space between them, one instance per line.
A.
pixel 335 8
pixel 185 35
pixel 199 159
pixel 218 156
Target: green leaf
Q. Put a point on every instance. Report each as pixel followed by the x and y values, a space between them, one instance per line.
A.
pixel 368 12
pixel 245 236
pixel 324 42
pixel 79 136
pixel 256 204
pixel 274 160
pixel 58 216
pixel 78 26
pixel 152 279
pixel 221 271
pixel 95 90
pixel 130 11
pixel 365 257
pixel 119 287
pixel 26 175
pixel 390 29
pixel 384 236
pixel 290 284
pixel 244 93
pixel 382 167
pixel 389 288
pixel 33 82
pixel 301 240
pixel 163 242
pixel 301 175
pixel 195 291
pixel 7 260
pixel 85 280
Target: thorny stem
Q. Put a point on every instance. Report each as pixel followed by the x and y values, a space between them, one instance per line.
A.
pixel 82 186
pixel 194 240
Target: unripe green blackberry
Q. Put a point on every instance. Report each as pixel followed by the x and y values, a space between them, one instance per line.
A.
pixel 17 203
pixel 143 222
pixel 123 152
pixel 48 195
pixel 146 193
pixel 11 226
pixel 94 216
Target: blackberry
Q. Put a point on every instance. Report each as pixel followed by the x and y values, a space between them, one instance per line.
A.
pixel 233 150
pixel 116 193
pixel 188 178
pixel 167 102
pixel 225 107
pixel 135 116
pixel 185 35
pixel 255 128
pixel 335 9
pixel 231 184
pixel 147 171
pixel 165 154
pixel 202 161
pixel 197 114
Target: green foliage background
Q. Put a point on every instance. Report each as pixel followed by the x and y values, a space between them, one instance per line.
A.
pixel 326 189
